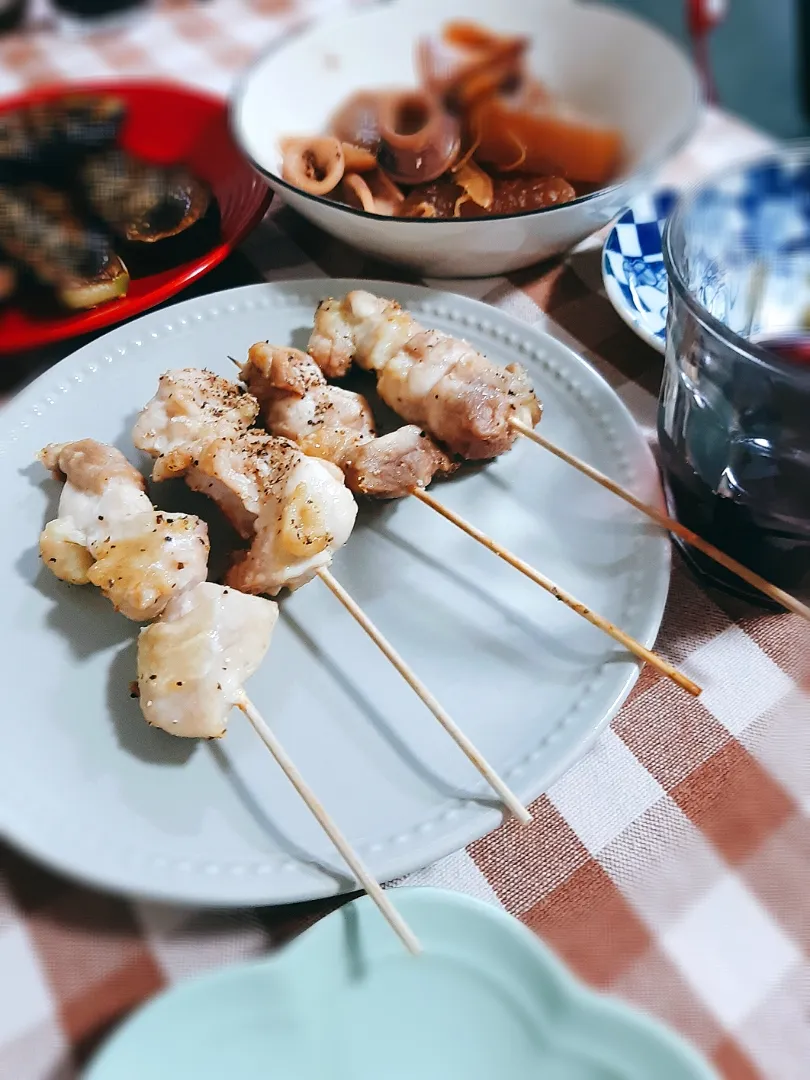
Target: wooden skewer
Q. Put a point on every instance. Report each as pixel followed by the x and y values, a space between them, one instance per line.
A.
pixel 665 521
pixel 630 643
pixel 504 793
pixel 352 859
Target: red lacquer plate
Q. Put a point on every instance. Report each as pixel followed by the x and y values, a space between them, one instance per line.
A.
pixel 165 123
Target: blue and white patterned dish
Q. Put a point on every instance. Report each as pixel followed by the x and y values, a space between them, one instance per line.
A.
pixel 633 266
pixel 742 243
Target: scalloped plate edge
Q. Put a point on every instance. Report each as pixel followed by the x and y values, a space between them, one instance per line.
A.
pixel 348 943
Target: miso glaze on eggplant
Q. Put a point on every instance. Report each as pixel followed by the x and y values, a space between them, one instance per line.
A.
pixel 141 202
pixel 40 231
pixel 54 135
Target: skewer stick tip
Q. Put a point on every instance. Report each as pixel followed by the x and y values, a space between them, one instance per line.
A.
pixel 350 857
pixel 635 647
pixel 501 789
pixel 784 599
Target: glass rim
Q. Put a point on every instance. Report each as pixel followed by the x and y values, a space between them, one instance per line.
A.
pixel 747 348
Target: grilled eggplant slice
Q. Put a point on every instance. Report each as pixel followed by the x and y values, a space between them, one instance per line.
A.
pixel 142 203
pixel 55 135
pixel 39 230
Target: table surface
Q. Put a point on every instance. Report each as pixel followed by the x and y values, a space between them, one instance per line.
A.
pixel 670 866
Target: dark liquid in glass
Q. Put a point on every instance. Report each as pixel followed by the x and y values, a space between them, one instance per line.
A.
pixel 95 9
pixel 759 512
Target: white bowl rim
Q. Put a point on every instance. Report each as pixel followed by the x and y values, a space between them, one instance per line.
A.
pixel 672 147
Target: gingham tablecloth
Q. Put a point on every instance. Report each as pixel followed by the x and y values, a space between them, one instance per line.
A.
pixel 671 866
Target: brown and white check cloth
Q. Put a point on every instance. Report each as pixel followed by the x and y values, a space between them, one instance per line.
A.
pixel 671 866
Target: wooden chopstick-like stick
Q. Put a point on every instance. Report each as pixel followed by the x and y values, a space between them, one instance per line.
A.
pixel 504 793
pixel 630 643
pixel 666 522
pixel 350 856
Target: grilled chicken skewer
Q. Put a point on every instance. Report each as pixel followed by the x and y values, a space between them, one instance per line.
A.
pixel 330 422
pixel 466 401
pixel 462 399
pixel 384 338
pixel 194 659
pixel 296 508
pixel 206 640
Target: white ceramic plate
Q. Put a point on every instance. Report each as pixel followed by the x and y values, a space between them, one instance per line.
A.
pixel 86 786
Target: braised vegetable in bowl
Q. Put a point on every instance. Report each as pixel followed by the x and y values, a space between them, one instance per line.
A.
pixel 73 204
pixel 478 137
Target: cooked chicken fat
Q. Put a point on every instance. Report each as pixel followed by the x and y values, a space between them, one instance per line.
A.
pixel 361 327
pixel 238 474
pixel 296 509
pixel 140 567
pixel 194 660
pixel 100 486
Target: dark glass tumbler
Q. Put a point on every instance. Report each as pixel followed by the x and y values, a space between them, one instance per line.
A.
pixel 734 411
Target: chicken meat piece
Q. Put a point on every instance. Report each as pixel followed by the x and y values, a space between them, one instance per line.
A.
pixel 464 400
pixel 194 660
pixel 330 422
pixel 429 378
pixel 360 327
pixel 299 404
pixel 108 533
pixel 150 559
pixel 306 515
pixel 296 509
pixel 392 465
pixel 65 558
pixel 234 473
pixel 242 475
pixel 190 409
pixel 277 371
pixel 100 487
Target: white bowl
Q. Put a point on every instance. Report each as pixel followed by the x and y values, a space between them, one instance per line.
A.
pixel 613 67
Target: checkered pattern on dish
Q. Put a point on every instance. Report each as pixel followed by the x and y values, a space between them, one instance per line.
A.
pixel 633 258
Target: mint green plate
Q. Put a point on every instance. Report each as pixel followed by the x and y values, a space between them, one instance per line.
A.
pixel 486 1000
